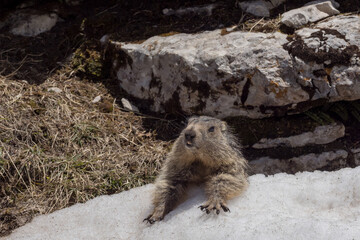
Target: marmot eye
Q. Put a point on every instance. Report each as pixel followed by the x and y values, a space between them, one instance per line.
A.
pixel 211 129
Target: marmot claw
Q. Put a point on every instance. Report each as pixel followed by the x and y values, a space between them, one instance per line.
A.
pixel 214 206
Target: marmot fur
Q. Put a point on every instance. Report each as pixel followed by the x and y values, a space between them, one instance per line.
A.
pixel 206 152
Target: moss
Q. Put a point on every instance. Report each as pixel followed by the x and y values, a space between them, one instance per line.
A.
pixel 87 60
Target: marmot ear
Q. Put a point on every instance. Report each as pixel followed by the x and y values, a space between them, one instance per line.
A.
pixel 224 126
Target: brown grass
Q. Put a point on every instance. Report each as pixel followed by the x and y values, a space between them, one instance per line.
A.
pixel 261 25
pixel 250 24
pixel 57 149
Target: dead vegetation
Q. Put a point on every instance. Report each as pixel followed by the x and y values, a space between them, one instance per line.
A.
pixel 60 148
pixel 255 25
pixel 260 25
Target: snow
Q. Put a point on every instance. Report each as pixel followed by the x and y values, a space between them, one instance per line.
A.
pixel 318 205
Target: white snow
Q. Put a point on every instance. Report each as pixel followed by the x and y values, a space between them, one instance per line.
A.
pixel 318 205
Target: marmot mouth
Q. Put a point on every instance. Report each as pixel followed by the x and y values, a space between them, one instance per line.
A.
pixel 189 144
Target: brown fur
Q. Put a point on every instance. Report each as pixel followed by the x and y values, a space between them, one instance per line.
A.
pixel 206 152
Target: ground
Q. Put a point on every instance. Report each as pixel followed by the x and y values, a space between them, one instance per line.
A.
pixel 61 148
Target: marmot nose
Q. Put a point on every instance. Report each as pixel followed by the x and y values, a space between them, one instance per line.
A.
pixel 190 135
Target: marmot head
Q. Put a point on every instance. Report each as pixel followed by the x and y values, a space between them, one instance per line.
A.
pixel 204 135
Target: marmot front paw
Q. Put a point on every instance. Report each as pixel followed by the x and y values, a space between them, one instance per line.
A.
pixel 156 216
pixel 215 205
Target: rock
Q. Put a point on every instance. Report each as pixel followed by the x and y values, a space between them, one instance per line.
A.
pixel 260 8
pixel 321 135
pixel 334 3
pixel 277 3
pixel 104 39
pixel 96 99
pixel 73 2
pixel 308 14
pixel 337 23
pixel 309 162
pixel 334 53
pixel 54 89
pixel 243 73
pixel 128 106
pixel 197 10
pixel 356 153
pixel 26 4
pixel 30 23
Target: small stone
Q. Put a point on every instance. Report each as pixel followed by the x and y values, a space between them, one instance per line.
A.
pixel 355 150
pixel 260 8
pixel 311 13
pixel 168 11
pixel 128 106
pixel 356 155
pixel 54 89
pixel 336 4
pixel 276 3
pixel 104 39
pixel 96 99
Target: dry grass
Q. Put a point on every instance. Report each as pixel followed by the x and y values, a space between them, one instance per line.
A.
pixel 261 25
pixel 57 149
pixel 250 24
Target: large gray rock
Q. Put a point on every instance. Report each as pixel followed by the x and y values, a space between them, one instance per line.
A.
pixel 309 162
pixel 243 73
pixel 308 14
pixel 321 135
pixel 29 23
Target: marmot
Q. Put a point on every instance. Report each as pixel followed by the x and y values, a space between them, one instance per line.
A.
pixel 206 152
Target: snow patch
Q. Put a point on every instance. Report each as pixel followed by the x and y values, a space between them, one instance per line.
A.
pixel 318 205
